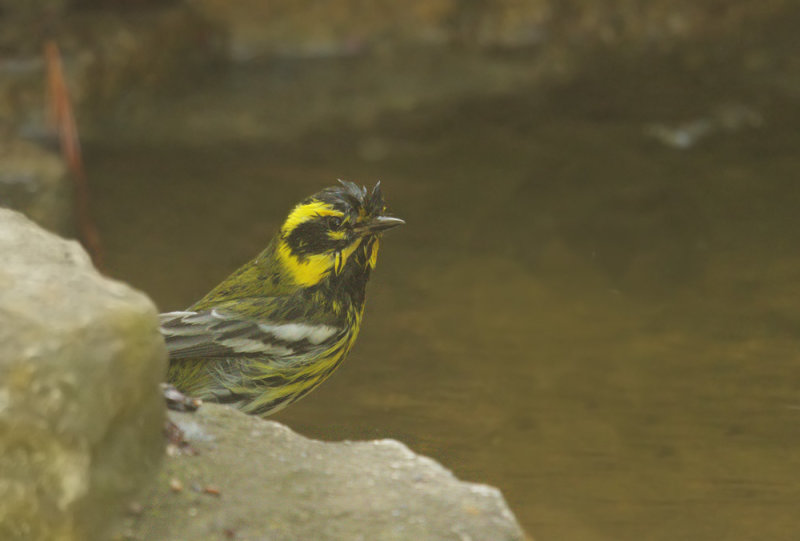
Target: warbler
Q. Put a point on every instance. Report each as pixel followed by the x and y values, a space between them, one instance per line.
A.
pixel 280 325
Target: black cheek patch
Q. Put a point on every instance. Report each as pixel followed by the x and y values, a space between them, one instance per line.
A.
pixel 311 238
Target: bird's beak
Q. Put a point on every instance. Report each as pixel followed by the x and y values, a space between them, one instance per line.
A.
pixel 378 225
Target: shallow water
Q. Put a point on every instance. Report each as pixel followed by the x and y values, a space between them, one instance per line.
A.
pixel 604 326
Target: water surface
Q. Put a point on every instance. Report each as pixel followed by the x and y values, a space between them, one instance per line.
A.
pixel 604 326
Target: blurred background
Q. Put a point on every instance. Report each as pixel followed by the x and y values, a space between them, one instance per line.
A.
pixel 595 305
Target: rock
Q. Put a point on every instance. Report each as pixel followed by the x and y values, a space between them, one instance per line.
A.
pixel 111 58
pixel 81 413
pixel 308 28
pixel 255 479
pixel 304 29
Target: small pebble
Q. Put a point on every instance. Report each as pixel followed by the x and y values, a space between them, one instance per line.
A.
pixel 135 509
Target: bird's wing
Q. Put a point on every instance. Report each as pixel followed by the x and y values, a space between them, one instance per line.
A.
pixel 221 333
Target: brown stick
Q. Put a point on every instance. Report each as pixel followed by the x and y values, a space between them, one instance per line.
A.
pixel 63 121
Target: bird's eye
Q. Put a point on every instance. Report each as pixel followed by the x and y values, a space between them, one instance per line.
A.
pixel 334 222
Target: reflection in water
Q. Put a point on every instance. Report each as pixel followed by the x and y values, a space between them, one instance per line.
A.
pixel 604 327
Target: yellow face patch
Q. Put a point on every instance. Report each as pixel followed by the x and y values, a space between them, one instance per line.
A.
pixel 307 211
pixel 308 272
pixel 310 269
pixel 314 268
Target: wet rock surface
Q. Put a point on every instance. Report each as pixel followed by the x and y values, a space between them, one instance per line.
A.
pixel 247 478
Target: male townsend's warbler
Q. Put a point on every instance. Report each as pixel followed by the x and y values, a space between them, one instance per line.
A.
pixel 281 324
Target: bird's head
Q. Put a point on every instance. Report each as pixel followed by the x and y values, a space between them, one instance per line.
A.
pixel 334 230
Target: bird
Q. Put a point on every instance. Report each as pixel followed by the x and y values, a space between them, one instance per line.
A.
pixel 278 326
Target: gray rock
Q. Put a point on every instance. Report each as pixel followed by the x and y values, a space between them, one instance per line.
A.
pixel 81 414
pixel 255 479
